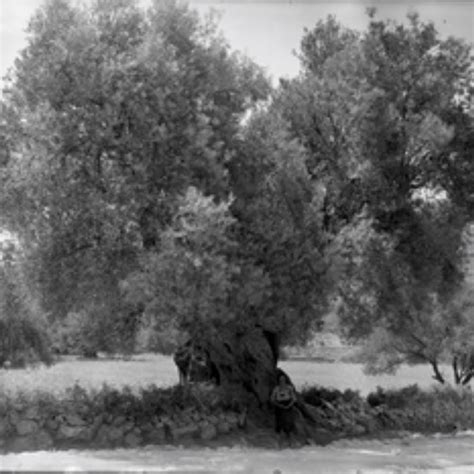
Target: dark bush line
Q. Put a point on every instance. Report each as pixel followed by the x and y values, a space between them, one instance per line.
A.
pixel 408 409
pixel 109 418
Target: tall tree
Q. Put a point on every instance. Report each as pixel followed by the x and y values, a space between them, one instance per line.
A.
pixel 111 112
pixel 390 141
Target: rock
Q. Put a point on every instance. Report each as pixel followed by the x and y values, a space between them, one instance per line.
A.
pixel 43 440
pixel 51 423
pixel 187 431
pixel 120 420
pixel 223 427
pixel 208 432
pixel 157 435
pixel 14 417
pixel 212 419
pixel 358 429
pixel 80 433
pixel 156 420
pixel 132 440
pixel 115 434
pixel 26 427
pixel 4 426
pixel 147 428
pixel 232 418
pixel 22 443
pixel 128 426
pixel 102 437
pixel 31 414
pixel 74 420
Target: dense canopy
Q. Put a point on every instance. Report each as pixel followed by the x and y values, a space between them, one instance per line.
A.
pixel 155 179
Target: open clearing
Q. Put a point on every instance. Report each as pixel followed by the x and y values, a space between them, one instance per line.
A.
pixel 147 369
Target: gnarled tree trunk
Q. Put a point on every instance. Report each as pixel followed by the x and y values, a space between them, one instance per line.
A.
pixel 247 364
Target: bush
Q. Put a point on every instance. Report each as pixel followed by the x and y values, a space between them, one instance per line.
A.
pixel 317 395
pixel 409 408
pixel 99 329
pixel 162 341
pixel 395 398
pixel 78 334
pixel 23 338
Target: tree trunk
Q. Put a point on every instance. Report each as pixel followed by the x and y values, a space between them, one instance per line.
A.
pixel 457 376
pixel 467 378
pixel 245 359
pixel 246 363
pixel 437 374
pixel 463 367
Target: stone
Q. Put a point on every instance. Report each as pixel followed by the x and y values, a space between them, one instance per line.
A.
pixel 120 420
pixel 186 431
pixel 74 420
pixel 51 423
pixel 43 440
pixel 14 417
pixel 147 428
pixel 223 427
pixel 101 438
pixel 115 434
pixel 4 426
pixel 128 426
pixel 26 427
pixel 157 436
pixel 232 418
pixel 74 432
pixel 358 429
pixel 208 432
pixel 132 440
pixel 22 443
pixel 212 419
pixel 32 414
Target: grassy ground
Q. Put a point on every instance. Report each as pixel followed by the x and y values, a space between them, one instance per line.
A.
pixel 146 369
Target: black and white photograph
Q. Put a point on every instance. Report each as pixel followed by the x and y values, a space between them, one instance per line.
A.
pixel 237 237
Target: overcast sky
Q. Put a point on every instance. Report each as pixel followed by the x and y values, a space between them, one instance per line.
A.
pixel 268 31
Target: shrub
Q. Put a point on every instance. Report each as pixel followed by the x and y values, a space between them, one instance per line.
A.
pixel 399 398
pixel 152 339
pixel 316 395
pixel 78 334
pixel 23 339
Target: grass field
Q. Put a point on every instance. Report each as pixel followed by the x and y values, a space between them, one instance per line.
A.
pixel 146 369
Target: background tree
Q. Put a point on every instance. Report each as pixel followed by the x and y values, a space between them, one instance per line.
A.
pixel 391 144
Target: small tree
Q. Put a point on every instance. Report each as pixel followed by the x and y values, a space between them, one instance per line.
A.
pixel 23 337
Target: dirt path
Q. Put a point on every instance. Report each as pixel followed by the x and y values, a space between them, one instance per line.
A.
pixel 454 455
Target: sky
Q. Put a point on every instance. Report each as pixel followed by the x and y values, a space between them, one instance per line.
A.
pixel 269 31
